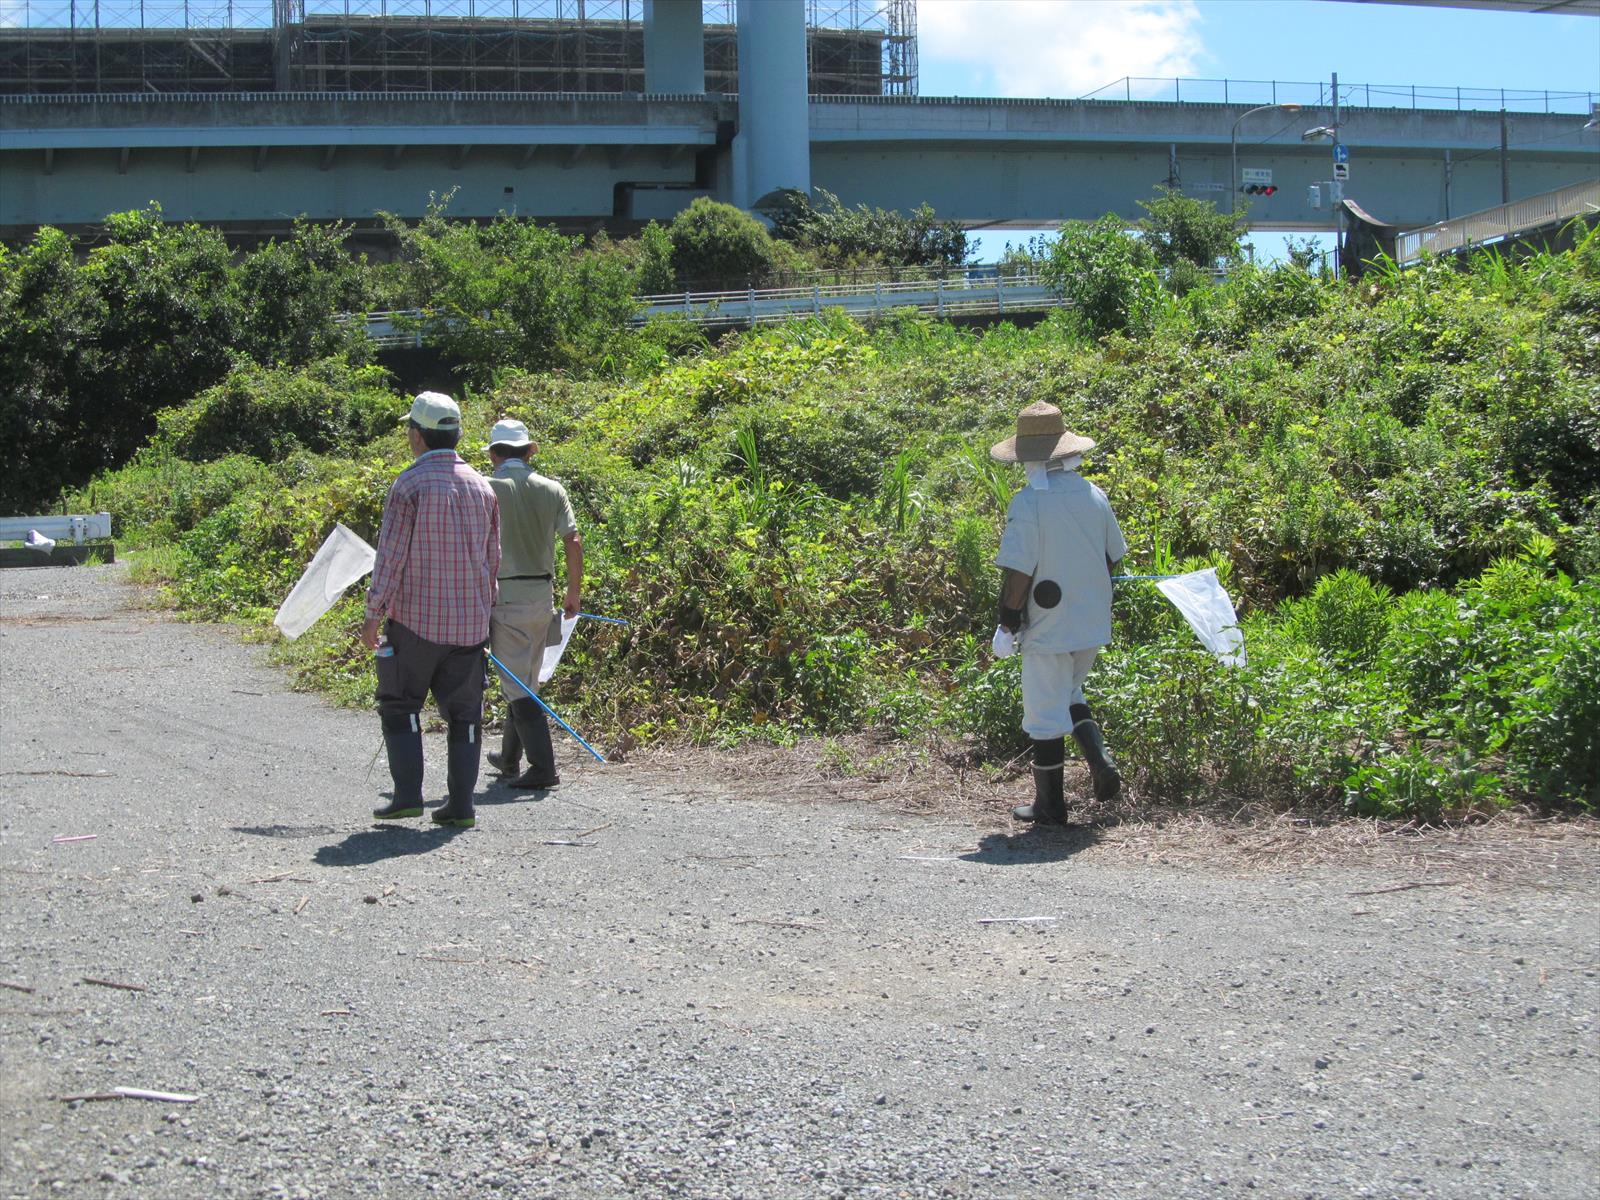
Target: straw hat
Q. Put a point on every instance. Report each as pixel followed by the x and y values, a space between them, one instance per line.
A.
pixel 1041 437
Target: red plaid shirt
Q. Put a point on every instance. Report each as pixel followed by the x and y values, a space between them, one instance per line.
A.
pixel 438 551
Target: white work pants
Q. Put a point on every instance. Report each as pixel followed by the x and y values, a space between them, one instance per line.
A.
pixel 1051 685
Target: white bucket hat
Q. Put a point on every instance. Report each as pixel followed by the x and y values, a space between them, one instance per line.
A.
pixel 507 432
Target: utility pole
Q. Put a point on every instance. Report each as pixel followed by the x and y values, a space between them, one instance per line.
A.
pixel 1338 204
pixel 1449 173
pixel 1505 164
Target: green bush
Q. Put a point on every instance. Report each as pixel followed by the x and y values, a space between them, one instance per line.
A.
pixel 716 246
pixel 1346 617
pixel 268 413
pixel 1106 274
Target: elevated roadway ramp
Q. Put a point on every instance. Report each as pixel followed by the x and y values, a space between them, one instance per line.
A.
pixel 250 163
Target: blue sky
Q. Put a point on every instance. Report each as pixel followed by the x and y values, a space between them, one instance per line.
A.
pixel 1067 48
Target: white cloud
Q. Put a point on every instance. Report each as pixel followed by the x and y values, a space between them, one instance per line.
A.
pixel 1060 48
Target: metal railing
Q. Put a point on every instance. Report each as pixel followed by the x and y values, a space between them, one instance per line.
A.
pixel 1502 221
pixel 980 290
pixel 1355 95
pixel 352 97
pixel 1130 89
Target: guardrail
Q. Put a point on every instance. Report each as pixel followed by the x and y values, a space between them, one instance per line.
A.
pixel 1501 222
pixel 979 292
pixel 1171 90
pixel 941 295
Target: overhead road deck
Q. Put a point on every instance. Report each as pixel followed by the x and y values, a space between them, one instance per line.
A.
pixel 246 161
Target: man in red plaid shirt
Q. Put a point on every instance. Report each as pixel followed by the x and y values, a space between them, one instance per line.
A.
pixel 434 581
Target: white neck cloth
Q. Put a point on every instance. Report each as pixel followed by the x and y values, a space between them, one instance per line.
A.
pixel 1039 473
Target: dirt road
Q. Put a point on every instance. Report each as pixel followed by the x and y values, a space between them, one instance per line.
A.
pixel 650 983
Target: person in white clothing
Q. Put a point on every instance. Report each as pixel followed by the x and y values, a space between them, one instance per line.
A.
pixel 1058 553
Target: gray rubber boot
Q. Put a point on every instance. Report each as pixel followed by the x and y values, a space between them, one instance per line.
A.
pixel 1086 732
pixel 463 748
pixel 533 727
pixel 509 759
pixel 402 738
pixel 1049 806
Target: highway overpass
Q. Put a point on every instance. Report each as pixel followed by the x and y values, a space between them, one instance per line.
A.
pixel 252 162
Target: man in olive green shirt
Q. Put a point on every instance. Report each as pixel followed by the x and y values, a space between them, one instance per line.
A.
pixel 534 511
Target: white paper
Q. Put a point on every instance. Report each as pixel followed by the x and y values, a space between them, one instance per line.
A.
pixel 552 654
pixel 1200 597
pixel 339 562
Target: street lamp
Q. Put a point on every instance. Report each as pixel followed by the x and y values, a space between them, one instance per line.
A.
pixel 1233 150
pixel 1322 133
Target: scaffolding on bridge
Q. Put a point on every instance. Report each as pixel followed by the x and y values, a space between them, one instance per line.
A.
pixel 854 47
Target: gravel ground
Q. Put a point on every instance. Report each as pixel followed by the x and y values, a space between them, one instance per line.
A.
pixel 652 982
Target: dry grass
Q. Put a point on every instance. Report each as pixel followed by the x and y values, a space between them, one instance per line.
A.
pixel 1508 848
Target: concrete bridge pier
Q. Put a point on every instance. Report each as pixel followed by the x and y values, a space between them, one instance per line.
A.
pixel 674 47
pixel 773 147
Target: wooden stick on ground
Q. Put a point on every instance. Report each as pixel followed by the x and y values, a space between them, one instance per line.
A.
pixel 112 983
pixel 1406 887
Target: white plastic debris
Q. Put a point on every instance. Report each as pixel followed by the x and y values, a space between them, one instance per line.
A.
pixel 37 541
pixel 1205 604
pixel 339 562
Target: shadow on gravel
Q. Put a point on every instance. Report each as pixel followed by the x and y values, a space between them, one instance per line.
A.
pixel 501 792
pixel 1035 846
pixel 375 845
pixel 283 831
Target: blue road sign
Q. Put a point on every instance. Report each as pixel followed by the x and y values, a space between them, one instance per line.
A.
pixel 1341 153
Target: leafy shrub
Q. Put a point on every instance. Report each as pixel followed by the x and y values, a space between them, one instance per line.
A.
pixel 1555 750
pixel 716 245
pixel 1346 617
pixel 270 412
pixel 837 236
pixel 1106 274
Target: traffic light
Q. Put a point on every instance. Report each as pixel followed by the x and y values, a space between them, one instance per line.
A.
pixel 1259 189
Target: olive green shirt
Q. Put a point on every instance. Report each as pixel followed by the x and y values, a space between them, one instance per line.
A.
pixel 534 511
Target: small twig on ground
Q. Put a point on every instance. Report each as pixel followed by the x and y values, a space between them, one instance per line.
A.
pixel 112 983
pixel 280 877
pixel 777 924
pixel 336 1012
pixel 596 829
pixel 300 908
pixel 76 837
pixel 70 774
pixel 16 987
pixel 130 1093
pixel 1012 920
pixel 89 1096
pixel 1406 887
pixel 568 842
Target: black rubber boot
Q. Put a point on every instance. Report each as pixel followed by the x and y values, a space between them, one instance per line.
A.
pixel 1049 807
pixel 463 747
pixel 1086 732
pixel 533 728
pixel 402 738
pixel 509 759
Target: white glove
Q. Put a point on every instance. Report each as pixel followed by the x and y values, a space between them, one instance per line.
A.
pixel 1004 644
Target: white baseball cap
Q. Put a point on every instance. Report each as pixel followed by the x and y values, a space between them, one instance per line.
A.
pixel 509 433
pixel 435 410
